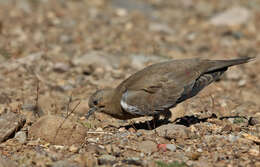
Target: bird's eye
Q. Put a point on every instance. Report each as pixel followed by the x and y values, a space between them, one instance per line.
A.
pixel 95 102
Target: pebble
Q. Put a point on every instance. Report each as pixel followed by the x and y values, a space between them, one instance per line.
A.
pixel 92 140
pixel 231 17
pixel 106 160
pixel 59 147
pixel 199 150
pixel 242 82
pixel 138 134
pixel 171 147
pixel 61 67
pixel 254 152
pixel 21 137
pixel 121 129
pixel 99 129
pixel 233 138
pixel 133 161
pixel 73 149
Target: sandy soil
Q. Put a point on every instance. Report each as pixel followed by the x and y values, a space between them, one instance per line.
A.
pixel 54 54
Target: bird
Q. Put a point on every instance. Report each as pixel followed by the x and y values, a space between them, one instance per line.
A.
pixel 154 90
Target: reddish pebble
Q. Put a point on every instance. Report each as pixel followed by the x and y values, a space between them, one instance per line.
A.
pixel 162 147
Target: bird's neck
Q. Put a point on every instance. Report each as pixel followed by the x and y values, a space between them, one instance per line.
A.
pixel 114 108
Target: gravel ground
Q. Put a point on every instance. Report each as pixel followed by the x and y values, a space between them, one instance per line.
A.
pixel 54 54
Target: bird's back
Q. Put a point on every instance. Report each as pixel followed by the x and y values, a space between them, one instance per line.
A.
pixel 179 71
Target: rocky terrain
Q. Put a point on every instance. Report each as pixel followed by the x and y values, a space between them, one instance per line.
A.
pixel 55 54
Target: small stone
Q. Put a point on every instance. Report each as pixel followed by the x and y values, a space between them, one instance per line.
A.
pixel 138 134
pixel 59 147
pixel 73 149
pixel 173 131
pixel 121 12
pixel 231 17
pixel 133 161
pixel 171 147
pixel 242 82
pixel 121 129
pixel 92 140
pixel 254 152
pixel 106 160
pixel 21 137
pixel 232 138
pixel 61 67
pixel 147 146
pixel 99 129
pixel 199 150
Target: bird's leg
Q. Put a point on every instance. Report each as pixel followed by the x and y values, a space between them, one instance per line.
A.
pixel 155 120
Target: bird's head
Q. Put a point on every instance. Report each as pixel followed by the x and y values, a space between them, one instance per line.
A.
pixel 99 101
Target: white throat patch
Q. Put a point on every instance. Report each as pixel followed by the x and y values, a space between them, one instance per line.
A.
pixel 129 108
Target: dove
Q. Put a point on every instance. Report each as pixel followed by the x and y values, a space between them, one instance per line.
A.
pixel 159 87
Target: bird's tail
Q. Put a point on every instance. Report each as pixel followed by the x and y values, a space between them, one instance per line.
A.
pixel 220 64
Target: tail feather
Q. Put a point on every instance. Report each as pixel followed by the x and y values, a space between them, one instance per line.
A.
pixel 220 64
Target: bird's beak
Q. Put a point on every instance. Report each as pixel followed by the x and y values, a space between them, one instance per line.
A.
pixel 90 112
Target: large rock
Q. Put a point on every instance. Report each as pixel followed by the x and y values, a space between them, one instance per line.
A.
pixel 9 123
pixel 57 130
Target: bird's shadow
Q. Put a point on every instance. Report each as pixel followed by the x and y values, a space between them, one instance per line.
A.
pixel 186 121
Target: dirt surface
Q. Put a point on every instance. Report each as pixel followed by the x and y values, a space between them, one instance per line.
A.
pixel 54 54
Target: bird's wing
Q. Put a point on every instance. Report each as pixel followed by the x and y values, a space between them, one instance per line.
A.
pixel 143 102
pixel 159 90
